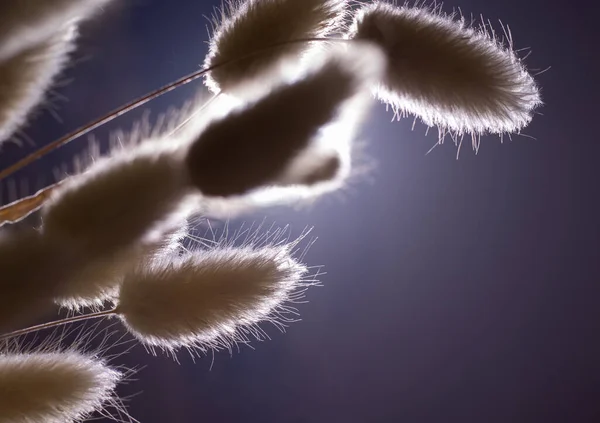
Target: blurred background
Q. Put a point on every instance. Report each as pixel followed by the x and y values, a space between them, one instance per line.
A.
pixel 456 290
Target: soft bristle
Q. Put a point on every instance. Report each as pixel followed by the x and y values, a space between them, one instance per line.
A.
pixel 53 387
pixel 250 148
pixel 118 201
pixel 27 23
pixel 253 26
pixel 25 77
pixel 202 299
pixel 453 76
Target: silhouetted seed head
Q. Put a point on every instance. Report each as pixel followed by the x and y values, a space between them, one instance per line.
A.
pixel 118 201
pixel 53 387
pixel 95 280
pixel 202 299
pixel 450 75
pixel 27 23
pixel 25 77
pixel 30 272
pixel 254 25
pixel 251 147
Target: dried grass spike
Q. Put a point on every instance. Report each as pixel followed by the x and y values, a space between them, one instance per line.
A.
pixel 53 387
pixel 25 77
pixel 27 23
pixel 202 300
pixel 251 147
pixel 118 201
pixel 254 25
pixel 450 75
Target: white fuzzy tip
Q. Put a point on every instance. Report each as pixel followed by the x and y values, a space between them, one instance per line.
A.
pixel 459 78
pixel 246 32
pixel 53 387
pixel 25 77
pixel 206 299
pixel 27 23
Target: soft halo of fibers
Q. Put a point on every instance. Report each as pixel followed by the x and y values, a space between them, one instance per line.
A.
pixel 254 25
pixel 53 387
pixel 27 23
pixel 25 77
pixel 250 147
pixel 203 299
pixel 459 78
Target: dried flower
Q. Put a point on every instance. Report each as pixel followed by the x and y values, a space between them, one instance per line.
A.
pixel 25 24
pixel 252 26
pixel 25 77
pixel 53 387
pixel 251 147
pixel 203 299
pixel 459 78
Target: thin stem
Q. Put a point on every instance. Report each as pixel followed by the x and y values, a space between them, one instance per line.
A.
pixel 56 323
pixel 143 100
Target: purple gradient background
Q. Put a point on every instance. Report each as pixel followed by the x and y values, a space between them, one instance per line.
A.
pixel 456 291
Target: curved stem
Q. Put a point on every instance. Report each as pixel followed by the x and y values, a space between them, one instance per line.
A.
pixel 143 100
pixel 56 323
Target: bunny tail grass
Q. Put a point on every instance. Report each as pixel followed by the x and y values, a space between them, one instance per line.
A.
pixel 453 76
pixel 30 272
pixel 251 147
pixel 118 200
pixel 252 25
pixel 28 23
pixel 207 299
pixel 53 387
pixel 95 280
pixel 25 77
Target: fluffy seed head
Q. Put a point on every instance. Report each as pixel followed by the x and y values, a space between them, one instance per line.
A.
pixel 459 78
pixel 94 280
pixel 253 146
pixel 254 25
pixel 30 271
pixel 25 77
pixel 53 387
pixel 117 202
pixel 204 298
pixel 27 23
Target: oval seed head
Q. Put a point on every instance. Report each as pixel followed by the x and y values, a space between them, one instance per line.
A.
pixel 252 26
pixel 118 201
pixel 53 387
pixel 25 77
pixel 31 270
pixel 202 300
pixel 251 147
pixel 459 78
pixel 95 280
pixel 27 23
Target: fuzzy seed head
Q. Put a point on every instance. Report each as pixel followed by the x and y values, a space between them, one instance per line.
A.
pixel 30 272
pixel 117 202
pixel 205 297
pixel 253 26
pixel 453 76
pixel 53 387
pixel 251 147
pixel 25 77
pixel 28 23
